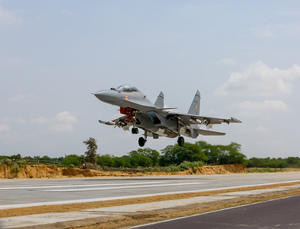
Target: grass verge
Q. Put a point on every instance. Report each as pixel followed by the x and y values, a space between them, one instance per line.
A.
pixel 271 170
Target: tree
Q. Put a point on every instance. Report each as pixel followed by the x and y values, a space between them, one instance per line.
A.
pixel 91 153
pixel 105 160
pixel 71 160
pixel 177 154
pixel 139 159
pixel 151 153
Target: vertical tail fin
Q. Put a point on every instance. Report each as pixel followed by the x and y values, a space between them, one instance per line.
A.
pixel 195 106
pixel 160 100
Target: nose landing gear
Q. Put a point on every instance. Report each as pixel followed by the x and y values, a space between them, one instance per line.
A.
pixel 134 130
pixel 180 141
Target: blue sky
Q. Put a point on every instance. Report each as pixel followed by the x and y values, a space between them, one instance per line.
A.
pixel 244 57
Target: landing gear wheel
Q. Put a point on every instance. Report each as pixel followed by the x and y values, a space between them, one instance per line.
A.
pixel 180 141
pixel 134 130
pixel 142 141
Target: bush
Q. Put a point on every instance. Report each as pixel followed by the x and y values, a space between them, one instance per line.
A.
pixel 150 153
pixel 122 162
pixel 105 160
pixel 7 161
pixel 73 160
pixel 15 169
pixel 177 154
pixel 171 168
pixel 21 162
pixel 139 159
pixel 290 162
pixel 222 154
pixel 190 164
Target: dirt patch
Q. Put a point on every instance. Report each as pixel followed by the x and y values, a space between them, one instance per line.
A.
pixel 110 203
pixel 52 171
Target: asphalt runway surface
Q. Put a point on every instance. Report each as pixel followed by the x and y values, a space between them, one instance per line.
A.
pixel 34 192
pixel 281 213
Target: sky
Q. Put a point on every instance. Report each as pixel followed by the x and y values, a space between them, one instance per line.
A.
pixel 243 56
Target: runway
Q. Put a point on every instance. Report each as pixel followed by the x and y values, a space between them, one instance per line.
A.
pixel 34 192
pixel 282 213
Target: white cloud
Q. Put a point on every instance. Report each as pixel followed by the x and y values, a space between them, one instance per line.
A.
pixel 278 30
pixel 8 17
pixel 261 129
pixel 40 120
pixel 261 33
pixel 261 109
pixel 66 12
pixel 13 120
pixel 21 98
pixel 64 121
pixel 259 79
pixel 227 62
pixel 4 128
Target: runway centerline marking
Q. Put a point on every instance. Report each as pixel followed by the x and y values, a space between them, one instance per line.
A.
pixel 123 187
pixel 74 185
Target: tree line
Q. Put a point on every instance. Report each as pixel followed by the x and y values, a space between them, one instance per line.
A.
pixel 172 156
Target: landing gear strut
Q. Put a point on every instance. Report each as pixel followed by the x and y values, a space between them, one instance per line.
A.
pixel 134 130
pixel 142 141
pixel 180 141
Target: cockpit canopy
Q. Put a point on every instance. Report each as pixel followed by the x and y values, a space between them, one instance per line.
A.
pixel 126 88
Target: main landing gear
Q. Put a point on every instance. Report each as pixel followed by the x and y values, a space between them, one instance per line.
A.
pixel 142 141
pixel 180 141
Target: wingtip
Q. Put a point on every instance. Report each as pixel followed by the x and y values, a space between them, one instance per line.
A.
pixel 236 120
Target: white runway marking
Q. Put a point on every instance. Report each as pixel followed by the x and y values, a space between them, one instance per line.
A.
pixel 122 187
pixel 9 206
pixel 74 185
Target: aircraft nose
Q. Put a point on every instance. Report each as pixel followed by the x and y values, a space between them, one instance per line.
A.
pixel 104 96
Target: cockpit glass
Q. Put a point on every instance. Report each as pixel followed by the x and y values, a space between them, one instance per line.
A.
pixel 125 88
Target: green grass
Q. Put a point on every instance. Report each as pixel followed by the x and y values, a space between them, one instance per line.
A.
pixel 265 170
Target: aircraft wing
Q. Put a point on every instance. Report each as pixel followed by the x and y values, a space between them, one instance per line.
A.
pixel 188 119
pixel 208 132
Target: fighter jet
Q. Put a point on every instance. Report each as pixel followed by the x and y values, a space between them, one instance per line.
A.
pixel 155 119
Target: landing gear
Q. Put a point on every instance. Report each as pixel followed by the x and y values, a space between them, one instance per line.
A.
pixel 142 141
pixel 134 130
pixel 180 141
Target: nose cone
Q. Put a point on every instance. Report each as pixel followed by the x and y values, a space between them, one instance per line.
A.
pixel 103 95
pixel 108 96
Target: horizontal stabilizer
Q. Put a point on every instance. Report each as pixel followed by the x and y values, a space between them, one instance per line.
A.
pixel 208 132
